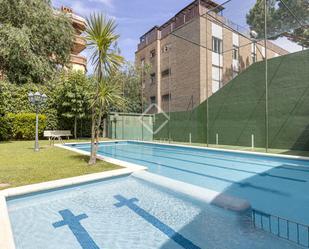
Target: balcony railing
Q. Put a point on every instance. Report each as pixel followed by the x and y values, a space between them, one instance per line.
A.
pixel 79 44
pixel 79 23
pixel 78 59
pixel 281 227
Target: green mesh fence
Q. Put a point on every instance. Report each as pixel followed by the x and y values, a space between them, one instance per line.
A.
pixel 130 126
pixel 237 111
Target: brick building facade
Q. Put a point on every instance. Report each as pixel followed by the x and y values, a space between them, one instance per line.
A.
pixel 194 54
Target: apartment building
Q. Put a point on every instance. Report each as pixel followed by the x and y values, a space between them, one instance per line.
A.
pixel 194 54
pixel 77 61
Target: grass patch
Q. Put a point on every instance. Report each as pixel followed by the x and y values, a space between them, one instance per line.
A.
pixel 20 165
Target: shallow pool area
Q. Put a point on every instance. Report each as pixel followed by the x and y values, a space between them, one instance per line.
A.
pixel 126 212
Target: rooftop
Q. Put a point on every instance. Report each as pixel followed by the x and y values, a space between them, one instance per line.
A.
pixel 194 9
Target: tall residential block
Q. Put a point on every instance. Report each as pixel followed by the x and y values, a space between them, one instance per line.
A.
pixel 77 61
pixel 194 54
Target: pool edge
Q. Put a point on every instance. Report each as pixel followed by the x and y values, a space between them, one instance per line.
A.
pixel 197 147
pixel 219 149
pixel 6 234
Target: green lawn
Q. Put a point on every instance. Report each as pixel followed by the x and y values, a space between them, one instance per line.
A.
pixel 20 165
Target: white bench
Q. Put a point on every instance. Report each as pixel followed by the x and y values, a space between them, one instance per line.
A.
pixel 53 135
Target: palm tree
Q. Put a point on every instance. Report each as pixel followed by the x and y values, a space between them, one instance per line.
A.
pixel 102 41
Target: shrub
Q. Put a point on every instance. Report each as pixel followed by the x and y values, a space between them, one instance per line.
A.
pixel 23 125
pixel 5 131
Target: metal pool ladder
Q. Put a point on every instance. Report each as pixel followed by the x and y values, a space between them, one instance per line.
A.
pixel 281 227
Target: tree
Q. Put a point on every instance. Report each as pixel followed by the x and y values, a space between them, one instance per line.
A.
pixel 73 98
pixel 15 99
pixel 130 79
pixel 102 42
pixel 280 21
pixel 34 40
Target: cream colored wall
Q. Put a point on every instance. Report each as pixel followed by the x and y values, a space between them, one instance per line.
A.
pixel 77 67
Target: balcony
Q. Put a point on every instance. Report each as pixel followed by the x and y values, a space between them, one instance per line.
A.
pixel 79 23
pixel 78 59
pixel 79 44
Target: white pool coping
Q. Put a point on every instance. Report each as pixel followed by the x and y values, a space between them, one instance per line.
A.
pixel 199 193
pixel 6 234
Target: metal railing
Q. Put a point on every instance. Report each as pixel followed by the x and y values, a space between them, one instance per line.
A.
pixel 281 227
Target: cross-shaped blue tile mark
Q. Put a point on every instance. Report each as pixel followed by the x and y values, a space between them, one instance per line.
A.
pixel 170 232
pixel 80 233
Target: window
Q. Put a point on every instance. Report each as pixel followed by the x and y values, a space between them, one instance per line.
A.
pixel 143 62
pixel 166 48
pixel 153 78
pixel 217 45
pixel 153 99
pixel 235 73
pixel 253 53
pixel 166 97
pixel 253 57
pixel 152 53
pixel 166 72
pixel 235 52
pixel 216 78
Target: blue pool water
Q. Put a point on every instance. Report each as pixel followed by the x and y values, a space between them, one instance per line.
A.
pixel 278 186
pixel 128 213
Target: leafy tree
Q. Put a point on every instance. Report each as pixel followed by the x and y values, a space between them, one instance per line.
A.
pixel 102 41
pixel 130 80
pixel 34 40
pixel 280 21
pixel 73 98
pixel 14 99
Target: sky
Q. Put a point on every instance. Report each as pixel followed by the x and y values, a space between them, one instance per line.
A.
pixel 136 17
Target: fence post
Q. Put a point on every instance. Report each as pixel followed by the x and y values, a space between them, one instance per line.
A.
pixel 252 141
pixel 122 127
pixel 217 139
pixel 190 138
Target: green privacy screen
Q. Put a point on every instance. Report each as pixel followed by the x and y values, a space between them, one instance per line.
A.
pixel 237 111
pixel 130 126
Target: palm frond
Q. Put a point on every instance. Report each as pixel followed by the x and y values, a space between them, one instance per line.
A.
pixel 101 39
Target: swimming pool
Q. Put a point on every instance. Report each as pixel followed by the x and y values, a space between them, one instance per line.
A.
pixel 126 212
pixel 274 185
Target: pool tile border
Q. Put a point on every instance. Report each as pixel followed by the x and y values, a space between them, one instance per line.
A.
pixel 6 234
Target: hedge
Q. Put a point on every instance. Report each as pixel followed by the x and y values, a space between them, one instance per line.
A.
pixel 20 126
pixel 5 129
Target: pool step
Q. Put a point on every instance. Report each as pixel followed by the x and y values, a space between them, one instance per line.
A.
pixel 202 194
